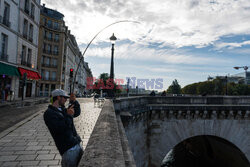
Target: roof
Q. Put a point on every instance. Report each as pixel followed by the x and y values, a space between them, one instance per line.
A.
pixel 51 13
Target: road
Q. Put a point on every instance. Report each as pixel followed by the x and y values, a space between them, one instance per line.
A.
pixel 31 144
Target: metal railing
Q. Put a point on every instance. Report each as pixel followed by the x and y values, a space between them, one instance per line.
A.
pixel 47 51
pixel 55 52
pixel 52 27
pixel 49 65
pixel 27 11
pixel 48 78
pixel 31 39
pixel 25 35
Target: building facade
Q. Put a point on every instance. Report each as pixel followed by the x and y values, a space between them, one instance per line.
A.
pixel 27 48
pixel 51 51
pixel 18 51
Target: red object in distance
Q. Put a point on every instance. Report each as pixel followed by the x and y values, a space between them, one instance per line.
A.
pixel 30 74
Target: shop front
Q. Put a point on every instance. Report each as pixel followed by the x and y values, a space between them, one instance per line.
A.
pixel 8 76
pixel 28 83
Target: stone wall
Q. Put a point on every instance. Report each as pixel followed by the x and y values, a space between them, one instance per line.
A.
pixel 107 145
pixel 152 133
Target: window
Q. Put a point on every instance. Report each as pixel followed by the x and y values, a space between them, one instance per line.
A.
pixel 49 48
pixel 53 76
pixel 6 14
pixel 45 34
pixel 31 33
pixel 49 23
pixel 44 47
pixel 27 6
pixel 42 60
pixel 32 11
pixel 46 91
pixel 47 61
pixel 4 44
pixel 23 55
pixel 25 28
pixel 45 21
pixel 46 75
pixel 56 37
pixel 54 62
pixel 56 25
pixel 50 35
pixel 29 57
pixel 56 50
pixel 53 87
pixel 42 74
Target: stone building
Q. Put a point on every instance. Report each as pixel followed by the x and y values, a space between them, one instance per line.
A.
pixel 19 22
pixel 58 53
pixel 73 56
pixel 51 51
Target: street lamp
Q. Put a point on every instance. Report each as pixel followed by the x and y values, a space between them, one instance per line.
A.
pixel 92 41
pixel 112 40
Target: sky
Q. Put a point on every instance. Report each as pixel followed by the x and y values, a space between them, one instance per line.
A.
pixel 187 40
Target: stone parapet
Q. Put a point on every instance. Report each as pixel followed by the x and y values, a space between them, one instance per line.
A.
pixel 107 145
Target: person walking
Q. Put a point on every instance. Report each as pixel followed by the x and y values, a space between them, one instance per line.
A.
pixel 59 121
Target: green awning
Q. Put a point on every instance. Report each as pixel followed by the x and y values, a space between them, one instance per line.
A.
pixel 8 70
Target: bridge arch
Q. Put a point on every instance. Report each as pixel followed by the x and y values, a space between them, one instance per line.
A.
pixel 171 132
pixel 206 151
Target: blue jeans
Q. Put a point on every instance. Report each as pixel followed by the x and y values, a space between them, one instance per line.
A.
pixel 72 156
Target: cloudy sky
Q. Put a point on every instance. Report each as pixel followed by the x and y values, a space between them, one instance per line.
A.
pixel 187 40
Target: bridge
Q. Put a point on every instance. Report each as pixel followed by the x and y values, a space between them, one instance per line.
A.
pixel 145 131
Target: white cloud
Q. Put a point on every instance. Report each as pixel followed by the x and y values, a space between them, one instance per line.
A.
pixel 141 53
pixel 176 23
pixel 231 45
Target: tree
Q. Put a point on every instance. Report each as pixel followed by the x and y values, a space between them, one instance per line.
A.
pixel 190 89
pixel 206 87
pixel 174 88
pixel 103 82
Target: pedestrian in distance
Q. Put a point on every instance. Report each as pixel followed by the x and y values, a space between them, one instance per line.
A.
pixel 59 121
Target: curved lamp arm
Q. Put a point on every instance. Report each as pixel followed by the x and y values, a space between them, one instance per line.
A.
pixel 91 42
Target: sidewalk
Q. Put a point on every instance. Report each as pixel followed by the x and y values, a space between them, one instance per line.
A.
pixel 31 144
pixel 25 102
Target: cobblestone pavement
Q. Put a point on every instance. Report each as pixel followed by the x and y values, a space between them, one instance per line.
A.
pixel 32 145
pixel 9 116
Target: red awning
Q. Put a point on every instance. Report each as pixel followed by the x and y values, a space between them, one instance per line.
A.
pixel 30 74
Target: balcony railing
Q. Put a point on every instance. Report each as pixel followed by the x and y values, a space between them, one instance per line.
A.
pixel 47 51
pixel 31 39
pixel 3 57
pixel 48 78
pixel 27 11
pixel 25 35
pixel 58 28
pixel 56 40
pixel 53 66
pixel 55 52
pixel 49 65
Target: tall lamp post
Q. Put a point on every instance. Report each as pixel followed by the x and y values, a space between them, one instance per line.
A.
pixel 112 40
pixel 92 41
